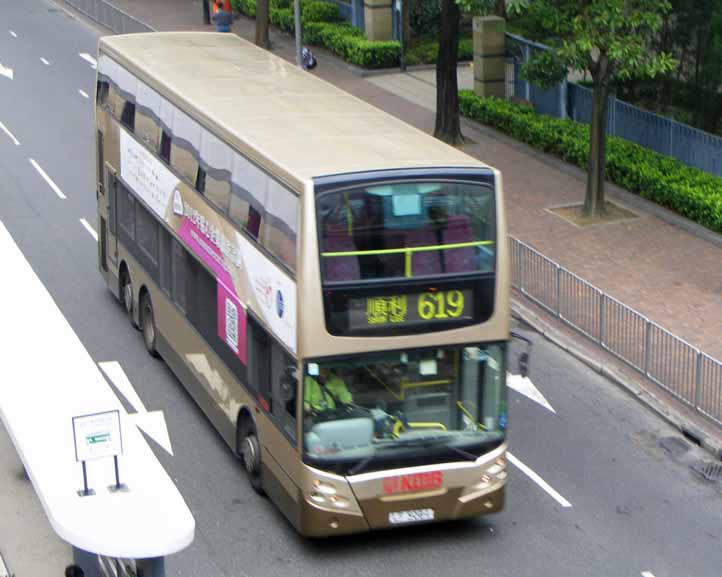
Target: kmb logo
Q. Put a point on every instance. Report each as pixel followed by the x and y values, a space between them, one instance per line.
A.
pixel 415 482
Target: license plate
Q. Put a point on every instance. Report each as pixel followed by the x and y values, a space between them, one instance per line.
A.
pixel 412 516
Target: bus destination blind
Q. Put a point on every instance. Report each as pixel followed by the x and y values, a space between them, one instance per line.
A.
pixel 408 309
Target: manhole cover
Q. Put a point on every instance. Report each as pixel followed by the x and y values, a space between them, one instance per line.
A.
pixel 710 471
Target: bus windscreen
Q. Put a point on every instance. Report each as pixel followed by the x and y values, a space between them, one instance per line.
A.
pixel 406 230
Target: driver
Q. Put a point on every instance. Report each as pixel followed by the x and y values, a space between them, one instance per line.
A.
pixel 324 392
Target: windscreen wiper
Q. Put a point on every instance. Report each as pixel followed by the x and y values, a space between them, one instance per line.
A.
pixel 429 443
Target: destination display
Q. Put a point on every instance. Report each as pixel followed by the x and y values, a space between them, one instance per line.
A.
pixel 408 309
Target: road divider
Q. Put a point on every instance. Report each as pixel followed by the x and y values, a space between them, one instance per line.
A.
pixel 538 480
pixel 47 179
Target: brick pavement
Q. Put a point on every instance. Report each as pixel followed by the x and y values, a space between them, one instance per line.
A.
pixel 671 275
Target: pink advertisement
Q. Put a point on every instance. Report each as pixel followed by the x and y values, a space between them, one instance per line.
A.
pixel 204 241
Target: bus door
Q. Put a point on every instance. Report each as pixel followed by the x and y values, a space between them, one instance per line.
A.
pixel 112 212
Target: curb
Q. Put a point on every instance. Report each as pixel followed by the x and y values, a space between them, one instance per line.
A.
pixel 683 424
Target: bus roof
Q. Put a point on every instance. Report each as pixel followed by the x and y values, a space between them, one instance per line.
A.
pixel 287 120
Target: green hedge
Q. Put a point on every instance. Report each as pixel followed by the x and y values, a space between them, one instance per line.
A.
pixel 319 11
pixel 688 191
pixel 323 26
pixel 350 44
pixel 427 52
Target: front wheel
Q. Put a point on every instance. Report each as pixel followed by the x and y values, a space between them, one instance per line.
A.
pixel 148 324
pixel 251 455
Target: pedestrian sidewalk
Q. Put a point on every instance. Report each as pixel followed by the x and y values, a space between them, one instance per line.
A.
pixel 652 264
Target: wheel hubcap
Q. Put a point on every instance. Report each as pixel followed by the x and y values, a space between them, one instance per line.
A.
pixel 128 297
pixel 148 327
pixel 249 455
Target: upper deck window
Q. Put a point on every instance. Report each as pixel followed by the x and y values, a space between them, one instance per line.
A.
pixel 407 229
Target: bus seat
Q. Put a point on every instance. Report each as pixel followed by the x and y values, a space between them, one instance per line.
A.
pixel 458 229
pixel 427 262
pixel 339 268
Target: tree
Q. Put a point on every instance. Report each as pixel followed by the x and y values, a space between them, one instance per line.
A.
pixel 611 39
pixel 448 126
pixel 262 39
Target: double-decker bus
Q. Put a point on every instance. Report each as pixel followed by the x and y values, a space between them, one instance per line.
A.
pixel 330 284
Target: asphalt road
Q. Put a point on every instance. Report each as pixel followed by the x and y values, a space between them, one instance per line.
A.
pixel 634 508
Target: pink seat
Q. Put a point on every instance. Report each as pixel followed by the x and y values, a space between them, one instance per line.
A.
pixel 426 262
pixel 339 268
pixel 458 229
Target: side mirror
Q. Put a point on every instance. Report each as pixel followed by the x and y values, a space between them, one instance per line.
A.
pixel 524 356
pixel 289 384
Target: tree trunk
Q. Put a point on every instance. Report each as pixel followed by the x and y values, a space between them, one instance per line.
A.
pixel 262 38
pixel 206 10
pixel 595 203
pixel 500 8
pixel 447 126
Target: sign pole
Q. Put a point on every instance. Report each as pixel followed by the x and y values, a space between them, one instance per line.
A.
pixel 299 31
pixel 117 475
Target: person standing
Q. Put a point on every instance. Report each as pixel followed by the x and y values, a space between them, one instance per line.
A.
pixel 222 18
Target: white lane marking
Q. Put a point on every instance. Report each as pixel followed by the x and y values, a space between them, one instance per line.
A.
pixel 83 93
pixel 151 423
pixel 524 386
pixel 538 480
pixel 3 568
pixel 44 61
pixel 7 72
pixel 13 34
pixel 89 59
pixel 89 228
pixel 15 141
pixel 647 574
pixel 47 179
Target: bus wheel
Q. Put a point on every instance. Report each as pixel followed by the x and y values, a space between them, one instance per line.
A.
pixel 148 324
pixel 126 296
pixel 251 455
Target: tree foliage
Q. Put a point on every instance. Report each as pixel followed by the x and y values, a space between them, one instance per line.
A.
pixel 612 40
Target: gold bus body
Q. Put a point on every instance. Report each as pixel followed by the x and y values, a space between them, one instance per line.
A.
pixel 224 84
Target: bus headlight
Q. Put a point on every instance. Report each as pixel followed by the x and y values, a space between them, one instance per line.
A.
pixel 498 466
pixel 324 488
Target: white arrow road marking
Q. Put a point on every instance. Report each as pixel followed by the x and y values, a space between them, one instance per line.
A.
pixel 83 93
pixel 90 229
pixel 44 61
pixel 151 423
pixel 15 140
pixel 647 574
pixel 7 72
pixel 13 34
pixel 3 569
pixel 524 386
pixel 538 480
pixel 89 59
pixel 47 179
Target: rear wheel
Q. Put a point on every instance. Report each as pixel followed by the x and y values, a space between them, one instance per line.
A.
pixel 251 454
pixel 148 324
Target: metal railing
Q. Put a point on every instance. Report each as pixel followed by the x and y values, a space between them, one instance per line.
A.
pixel 110 16
pixel 692 376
